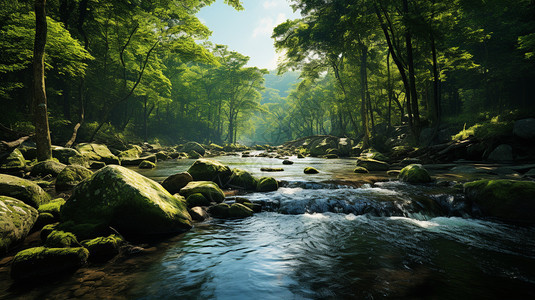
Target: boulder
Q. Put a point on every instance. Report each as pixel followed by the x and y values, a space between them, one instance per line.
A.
pixel 198 214
pixel 220 210
pixel 414 174
pixel 81 231
pixel 210 170
pixel 330 156
pixel 208 189
pixel 525 129
pixel 502 154
pixel 147 165
pixel 215 147
pixel 234 211
pixel 133 152
pixel 16 221
pixel 97 152
pixel 320 146
pixel 242 179
pixel 360 170
pixel 371 153
pixel 372 164
pixel 103 248
pixel 192 154
pixel 61 239
pixel 45 262
pixel 47 167
pixel 97 165
pixel 503 199
pixel 53 207
pixel 194 146
pixel 287 162
pixel 162 155
pixel 63 154
pixel 310 170
pixel 267 184
pixel 71 176
pixel 344 146
pixel 44 219
pixel 14 161
pixel 267 169
pixel 127 201
pixel 197 199
pixel 175 182
pixel 136 161
pixel 24 190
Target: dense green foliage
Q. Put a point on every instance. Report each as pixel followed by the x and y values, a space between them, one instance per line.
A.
pixel 140 70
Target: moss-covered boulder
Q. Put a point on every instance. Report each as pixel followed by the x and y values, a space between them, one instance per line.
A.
pixel 134 151
pixel 174 183
pixel 147 165
pixel 14 161
pixel 53 207
pixel 61 239
pixel 319 147
pixel 360 170
pixel 220 210
pixel 371 153
pixel 127 201
pixel 192 154
pixel 197 199
pixel 330 156
pixel 44 219
pixel 243 180
pixel 372 165
pixel 507 200
pixel 16 221
pixel 71 176
pixel 103 248
pixel 194 146
pixel 63 154
pixel 24 190
pixel 97 152
pixel 83 231
pixel 136 161
pixel 162 155
pixel 208 189
pixel 198 213
pixel 215 147
pixel 414 174
pixel 45 262
pixel 210 170
pixel 267 184
pixel 238 211
pixel 269 169
pixel 47 167
pixel 310 170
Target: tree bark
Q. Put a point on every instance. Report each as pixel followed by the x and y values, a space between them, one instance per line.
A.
pixel 42 132
pixel 363 85
pixel 412 76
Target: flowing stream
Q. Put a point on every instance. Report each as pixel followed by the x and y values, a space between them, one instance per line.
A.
pixel 324 239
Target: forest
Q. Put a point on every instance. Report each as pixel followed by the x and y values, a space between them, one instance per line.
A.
pixel 388 155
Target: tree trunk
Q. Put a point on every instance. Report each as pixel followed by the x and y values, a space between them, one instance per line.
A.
pixel 389 91
pixel 436 81
pixel 412 77
pixel 363 84
pixel 42 132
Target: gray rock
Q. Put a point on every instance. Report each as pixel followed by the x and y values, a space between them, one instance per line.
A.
pixel 525 129
pixel 502 154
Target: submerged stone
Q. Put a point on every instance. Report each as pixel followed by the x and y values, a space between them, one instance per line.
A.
pixel 127 201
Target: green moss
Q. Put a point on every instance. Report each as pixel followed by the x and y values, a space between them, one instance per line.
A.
pixel 238 210
pixel 414 174
pixel 372 164
pixel 267 184
pixel 310 170
pixel 41 261
pixel 208 189
pixel 133 152
pixel 47 167
pixel 147 165
pixel 197 199
pixel 53 207
pixel 220 210
pixel 24 190
pixel 15 160
pixel 242 179
pixel 16 221
pixel 84 231
pixel 361 170
pixel 44 219
pixel 210 170
pixel 71 176
pixel 485 131
pixel 103 248
pixel 61 239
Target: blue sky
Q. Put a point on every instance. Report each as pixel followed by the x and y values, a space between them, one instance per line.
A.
pixel 248 31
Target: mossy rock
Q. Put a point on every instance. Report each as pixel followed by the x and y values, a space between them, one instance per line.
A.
pixel 71 176
pixel 134 151
pixel 16 221
pixel 24 190
pixel 103 248
pixel 47 167
pixel 136 161
pixel 44 219
pixel 220 210
pixel 208 189
pixel 197 199
pixel 147 165
pixel 127 201
pixel 162 155
pixel 287 162
pixel 243 180
pixel 360 170
pixel 81 231
pixel 45 262
pixel 198 213
pixel 63 154
pixel 267 184
pixel 267 169
pixel 53 207
pixel 310 170
pixel 414 174
pixel 210 170
pixel 215 147
pixel 61 239
pixel 330 156
pixel 507 200
pixel 371 153
pixel 372 164
pixel 97 152
pixel 14 161
pixel 255 207
pixel 238 211
pixel 319 147
pixel 175 182
pixel 192 154
pixel 194 146
pixel 97 165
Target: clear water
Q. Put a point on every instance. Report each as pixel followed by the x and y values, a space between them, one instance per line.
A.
pixel 327 241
